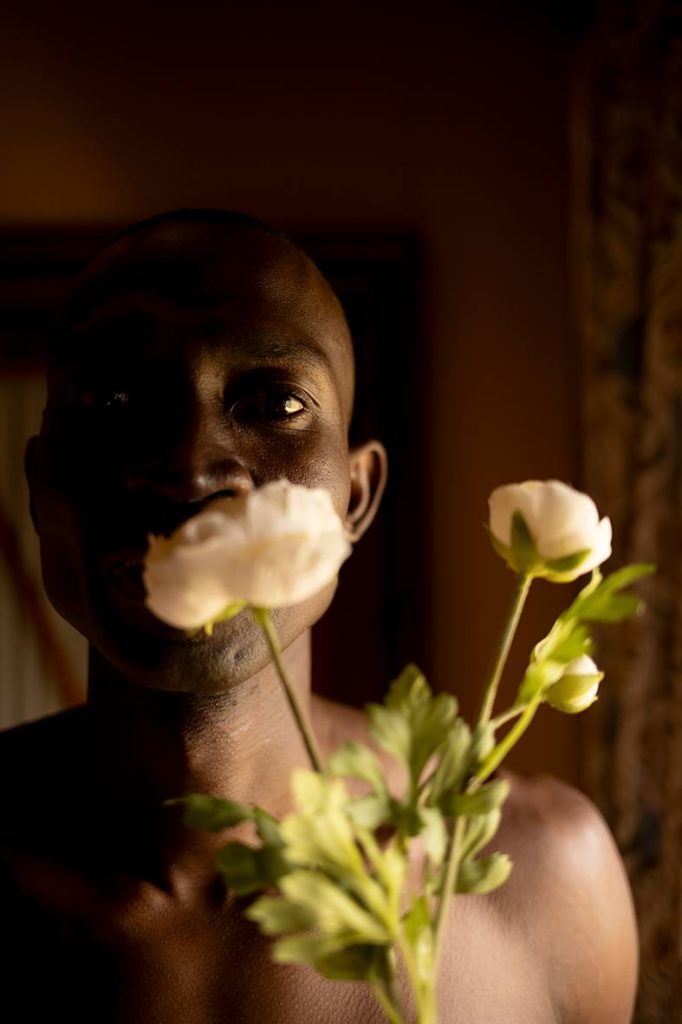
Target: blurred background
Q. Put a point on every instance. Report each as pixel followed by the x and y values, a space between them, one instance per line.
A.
pixel 495 190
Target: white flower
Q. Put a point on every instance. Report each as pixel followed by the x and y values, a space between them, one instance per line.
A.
pixel 558 534
pixel 577 688
pixel 275 547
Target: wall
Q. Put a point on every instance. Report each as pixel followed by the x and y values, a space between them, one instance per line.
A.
pixel 451 124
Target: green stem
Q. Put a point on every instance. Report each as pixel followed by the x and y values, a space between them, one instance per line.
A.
pixel 520 595
pixel 498 754
pixel 386 994
pixel 262 617
pixel 506 716
pixel 448 890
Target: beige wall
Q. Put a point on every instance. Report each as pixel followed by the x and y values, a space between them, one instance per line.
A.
pixel 330 115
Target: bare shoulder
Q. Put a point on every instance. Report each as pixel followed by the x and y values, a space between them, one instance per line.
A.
pixel 335 723
pixel 571 896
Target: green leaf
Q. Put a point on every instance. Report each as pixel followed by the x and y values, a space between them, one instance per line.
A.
pixel 322 835
pixel 240 868
pixel 409 691
pixel 267 827
pixel 484 875
pixel 355 963
pixel 213 813
pixel 431 726
pixel 391 730
pixel 418 931
pixel 412 724
pixel 482 743
pixel 336 912
pixel 276 916
pixel 485 799
pixel 479 831
pixel 434 833
pixel 307 949
pixel 452 765
pixel 358 761
pixel 601 600
pixel 369 811
pixel 614 608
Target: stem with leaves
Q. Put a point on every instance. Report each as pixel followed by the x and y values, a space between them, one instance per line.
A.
pixel 457 829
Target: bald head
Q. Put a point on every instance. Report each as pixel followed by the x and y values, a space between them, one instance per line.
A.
pixel 210 260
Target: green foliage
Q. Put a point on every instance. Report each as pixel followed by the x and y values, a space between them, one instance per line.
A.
pixel 601 600
pixel 213 813
pixel 412 724
pixel 484 875
pixel 331 876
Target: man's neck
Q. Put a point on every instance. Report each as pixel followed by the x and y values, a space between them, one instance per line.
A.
pixel 150 745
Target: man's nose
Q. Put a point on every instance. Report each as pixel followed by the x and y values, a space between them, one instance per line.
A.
pixel 203 463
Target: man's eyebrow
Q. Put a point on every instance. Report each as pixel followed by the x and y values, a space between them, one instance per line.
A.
pixel 298 350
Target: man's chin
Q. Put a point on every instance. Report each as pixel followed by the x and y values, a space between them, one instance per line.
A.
pixel 146 651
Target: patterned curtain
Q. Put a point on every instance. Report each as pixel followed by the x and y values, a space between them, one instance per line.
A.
pixel 628 146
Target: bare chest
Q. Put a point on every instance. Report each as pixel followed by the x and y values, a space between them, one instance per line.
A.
pixel 148 961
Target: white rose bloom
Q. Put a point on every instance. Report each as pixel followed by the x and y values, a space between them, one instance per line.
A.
pixel 275 547
pixel 562 523
pixel 577 688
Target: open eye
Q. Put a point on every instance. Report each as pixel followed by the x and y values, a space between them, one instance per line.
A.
pixel 271 404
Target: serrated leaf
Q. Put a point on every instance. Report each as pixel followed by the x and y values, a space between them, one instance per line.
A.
pixel 601 600
pixel 390 729
pixel 412 724
pixel 276 916
pixel 434 834
pixel 324 838
pixel 369 811
pixel 358 761
pixel 431 726
pixel 485 799
pixel 484 875
pixel 409 691
pixel 453 763
pixel 390 863
pixel 306 949
pixel 614 608
pixel 479 831
pixel 355 963
pixel 336 912
pixel 213 813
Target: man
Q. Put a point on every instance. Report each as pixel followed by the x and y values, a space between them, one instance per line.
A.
pixel 204 355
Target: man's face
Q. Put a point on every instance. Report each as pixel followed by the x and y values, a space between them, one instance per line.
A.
pixel 201 362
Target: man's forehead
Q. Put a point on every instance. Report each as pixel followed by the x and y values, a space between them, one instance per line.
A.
pixel 205 263
pixel 215 278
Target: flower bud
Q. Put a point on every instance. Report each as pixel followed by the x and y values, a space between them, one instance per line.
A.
pixel 577 688
pixel 548 529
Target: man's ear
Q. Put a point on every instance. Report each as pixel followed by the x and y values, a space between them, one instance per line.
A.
pixel 29 456
pixel 368 474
